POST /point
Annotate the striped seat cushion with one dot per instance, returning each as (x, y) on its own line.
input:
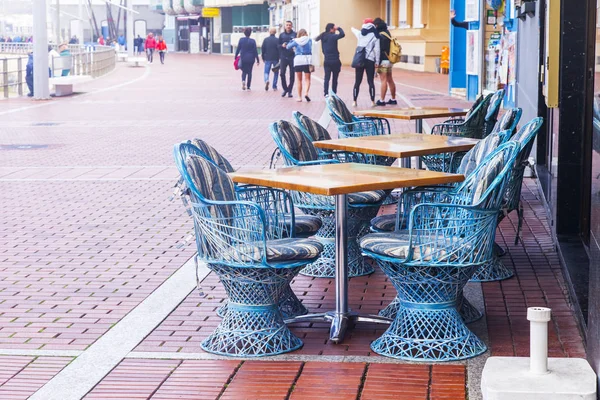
(507, 121)
(296, 143)
(278, 250)
(386, 223)
(306, 225)
(478, 153)
(370, 197)
(316, 131)
(213, 154)
(340, 109)
(212, 183)
(396, 245)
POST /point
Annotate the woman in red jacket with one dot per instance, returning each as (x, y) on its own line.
(150, 46)
(161, 47)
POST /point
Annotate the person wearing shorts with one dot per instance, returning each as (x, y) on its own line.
(385, 67)
(302, 46)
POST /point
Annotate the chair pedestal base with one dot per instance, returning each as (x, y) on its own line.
(421, 334)
(467, 311)
(289, 305)
(251, 333)
(253, 325)
(492, 271)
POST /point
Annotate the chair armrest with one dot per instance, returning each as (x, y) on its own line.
(363, 127)
(447, 129)
(319, 162)
(230, 232)
(277, 205)
(451, 234)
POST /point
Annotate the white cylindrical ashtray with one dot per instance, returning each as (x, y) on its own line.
(538, 339)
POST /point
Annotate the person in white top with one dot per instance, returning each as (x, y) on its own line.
(368, 37)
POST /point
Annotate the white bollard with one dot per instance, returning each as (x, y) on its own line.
(537, 376)
(538, 339)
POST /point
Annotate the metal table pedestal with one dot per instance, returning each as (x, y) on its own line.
(342, 315)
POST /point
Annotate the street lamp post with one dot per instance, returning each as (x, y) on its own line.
(41, 89)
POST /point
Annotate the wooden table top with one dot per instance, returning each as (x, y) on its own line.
(400, 145)
(344, 178)
(413, 113)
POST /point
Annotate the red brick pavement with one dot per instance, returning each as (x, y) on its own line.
(20, 376)
(87, 232)
(235, 380)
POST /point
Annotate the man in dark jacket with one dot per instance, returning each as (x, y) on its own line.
(270, 56)
(286, 58)
(331, 63)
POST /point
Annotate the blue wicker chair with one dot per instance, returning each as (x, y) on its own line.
(472, 158)
(473, 126)
(491, 116)
(398, 221)
(495, 269)
(237, 241)
(350, 126)
(297, 149)
(275, 203)
(447, 240)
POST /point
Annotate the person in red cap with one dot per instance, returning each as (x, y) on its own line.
(368, 39)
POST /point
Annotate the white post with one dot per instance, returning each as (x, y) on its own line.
(41, 89)
(58, 36)
(129, 28)
(80, 23)
(538, 339)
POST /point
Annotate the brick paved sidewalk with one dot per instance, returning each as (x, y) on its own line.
(87, 233)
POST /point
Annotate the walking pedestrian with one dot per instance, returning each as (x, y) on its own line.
(368, 44)
(161, 47)
(122, 42)
(150, 47)
(385, 66)
(137, 45)
(247, 51)
(270, 57)
(331, 63)
(29, 75)
(302, 46)
(286, 59)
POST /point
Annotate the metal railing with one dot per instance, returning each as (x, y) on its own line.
(86, 60)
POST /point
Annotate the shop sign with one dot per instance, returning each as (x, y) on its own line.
(208, 12)
(491, 17)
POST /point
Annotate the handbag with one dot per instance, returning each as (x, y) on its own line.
(358, 61)
(311, 68)
(275, 68)
(237, 63)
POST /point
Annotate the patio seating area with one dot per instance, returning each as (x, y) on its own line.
(441, 235)
(102, 299)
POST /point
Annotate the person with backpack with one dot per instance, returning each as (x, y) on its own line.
(332, 64)
(388, 47)
(366, 58)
